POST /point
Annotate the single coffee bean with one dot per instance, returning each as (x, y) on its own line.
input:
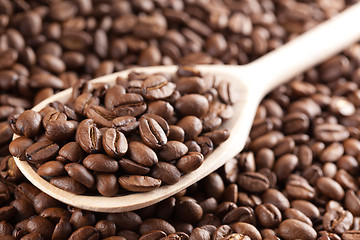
(156, 224)
(240, 214)
(84, 101)
(106, 228)
(62, 229)
(157, 87)
(292, 213)
(191, 125)
(79, 173)
(40, 225)
(337, 220)
(172, 150)
(295, 229)
(161, 108)
(28, 124)
(277, 198)
(330, 188)
(246, 229)
(68, 184)
(142, 154)
(114, 143)
(190, 162)
(18, 146)
(192, 105)
(101, 116)
(166, 172)
(41, 151)
(127, 104)
(152, 133)
(107, 184)
(51, 169)
(100, 163)
(88, 136)
(298, 189)
(87, 232)
(70, 152)
(125, 123)
(132, 167)
(60, 131)
(137, 183)
(253, 182)
(268, 215)
(350, 235)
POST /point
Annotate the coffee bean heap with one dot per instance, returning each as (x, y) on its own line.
(302, 156)
(147, 131)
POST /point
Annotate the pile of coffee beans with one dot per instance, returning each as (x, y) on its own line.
(303, 153)
(147, 131)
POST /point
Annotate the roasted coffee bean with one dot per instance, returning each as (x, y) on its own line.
(41, 226)
(292, 213)
(127, 104)
(51, 169)
(156, 224)
(88, 136)
(42, 151)
(161, 108)
(28, 124)
(142, 154)
(132, 167)
(293, 229)
(330, 188)
(152, 133)
(277, 198)
(137, 183)
(70, 152)
(81, 218)
(350, 235)
(106, 228)
(107, 184)
(60, 131)
(125, 123)
(79, 173)
(157, 87)
(172, 150)
(298, 189)
(166, 172)
(191, 125)
(253, 182)
(337, 220)
(246, 229)
(192, 105)
(268, 215)
(18, 146)
(114, 143)
(100, 163)
(68, 184)
(240, 214)
(101, 116)
(87, 232)
(190, 162)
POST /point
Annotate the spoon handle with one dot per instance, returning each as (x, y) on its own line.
(306, 51)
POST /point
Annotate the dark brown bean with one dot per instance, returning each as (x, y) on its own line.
(137, 183)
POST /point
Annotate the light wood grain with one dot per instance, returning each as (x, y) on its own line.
(252, 82)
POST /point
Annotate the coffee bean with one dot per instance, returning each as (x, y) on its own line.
(351, 234)
(156, 224)
(51, 169)
(80, 174)
(253, 182)
(60, 131)
(114, 143)
(137, 183)
(192, 105)
(68, 184)
(107, 184)
(142, 154)
(246, 229)
(127, 104)
(330, 188)
(87, 232)
(101, 116)
(172, 150)
(292, 229)
(190, 162)
(157, 87)
(132, 167)
(240, 214)
(337, 220)
(268, 215)
(41, 151)
(166, 172)
(70, 152)
(152, 133)
(41, 226)
(88, 136)
(125, 123)
(191, 125)
(100, 163)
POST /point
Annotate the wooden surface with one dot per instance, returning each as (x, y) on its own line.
(252, 82)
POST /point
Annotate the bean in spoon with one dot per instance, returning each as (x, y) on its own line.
(253, 81)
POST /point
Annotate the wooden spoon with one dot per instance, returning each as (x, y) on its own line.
(252, 81)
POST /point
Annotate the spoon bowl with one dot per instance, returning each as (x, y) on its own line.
(251, 83)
